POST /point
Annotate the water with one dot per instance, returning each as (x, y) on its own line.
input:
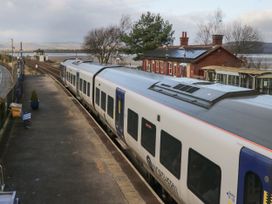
(53, 54)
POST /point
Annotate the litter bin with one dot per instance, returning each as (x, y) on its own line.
(16, 110)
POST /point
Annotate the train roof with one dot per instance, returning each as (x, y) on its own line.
(87, 66)
(238, 110)
(234, 109)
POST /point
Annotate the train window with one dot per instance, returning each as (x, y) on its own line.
(132, 124)
(88, 89)
(170, 153)
(204, 178)
(97, 96)
(110, 106)
(84, 87)
(253, 189)
(74, 80)
(81, 84)
(148, 140)
(103, 100)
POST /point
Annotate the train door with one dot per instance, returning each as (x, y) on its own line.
(77, 83)
(255, 178)
(119, 111)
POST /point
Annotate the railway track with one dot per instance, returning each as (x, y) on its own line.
(44, 68)
(112, 145)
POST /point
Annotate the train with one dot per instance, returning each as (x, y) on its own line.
(202, 142)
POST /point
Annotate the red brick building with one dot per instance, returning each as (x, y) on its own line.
(187, 60)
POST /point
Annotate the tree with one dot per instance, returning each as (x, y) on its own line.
(242, 38)
(149, 32)
(105, 43)
(212, 26)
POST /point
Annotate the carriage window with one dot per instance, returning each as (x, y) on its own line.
(84, 87)
(88, 89)
(103, 100)
(253, 189)
(170, 154)
(132, 124)
(97, 96)
(110, 106)
(74, 80)
(148, 140)
(81, 84)
(204, 178)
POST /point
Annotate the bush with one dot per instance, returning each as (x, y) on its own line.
(34, 96)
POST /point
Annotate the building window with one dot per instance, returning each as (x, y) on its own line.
(204, 178)
(97, 96)
(157, 67)
(162, 67)
(88, 89)
(148, 67)
(110, 106)
(170, 158)
(132, 124)
(153, 66)
(148, 139)
(174, 69)
(103, 100)
(170, 68)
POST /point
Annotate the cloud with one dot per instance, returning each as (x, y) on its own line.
(262, 21)
(70, 20)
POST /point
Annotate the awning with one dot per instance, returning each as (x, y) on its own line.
(237, 70)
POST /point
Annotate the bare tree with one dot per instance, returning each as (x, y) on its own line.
(105, 43)
(213, 25)
(242, 38)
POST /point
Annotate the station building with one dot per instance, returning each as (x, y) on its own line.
(260, 80)
(187, 60)
(39, 55)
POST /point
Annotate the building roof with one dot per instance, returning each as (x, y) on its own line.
(242, 70)
(5, 82)
(187, 54)
(190, 53)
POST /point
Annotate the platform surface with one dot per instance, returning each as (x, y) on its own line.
(60, 159)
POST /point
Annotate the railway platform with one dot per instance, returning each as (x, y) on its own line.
(60, 159)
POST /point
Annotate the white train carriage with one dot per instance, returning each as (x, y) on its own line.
(204, 143)
(78, 77)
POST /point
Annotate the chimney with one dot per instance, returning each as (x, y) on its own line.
(184, 39)
(217, 39)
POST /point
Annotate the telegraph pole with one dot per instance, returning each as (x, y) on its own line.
(12, 47)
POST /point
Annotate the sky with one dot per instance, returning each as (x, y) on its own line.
(70, 20)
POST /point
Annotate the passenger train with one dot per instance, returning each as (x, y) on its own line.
(202, 142)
